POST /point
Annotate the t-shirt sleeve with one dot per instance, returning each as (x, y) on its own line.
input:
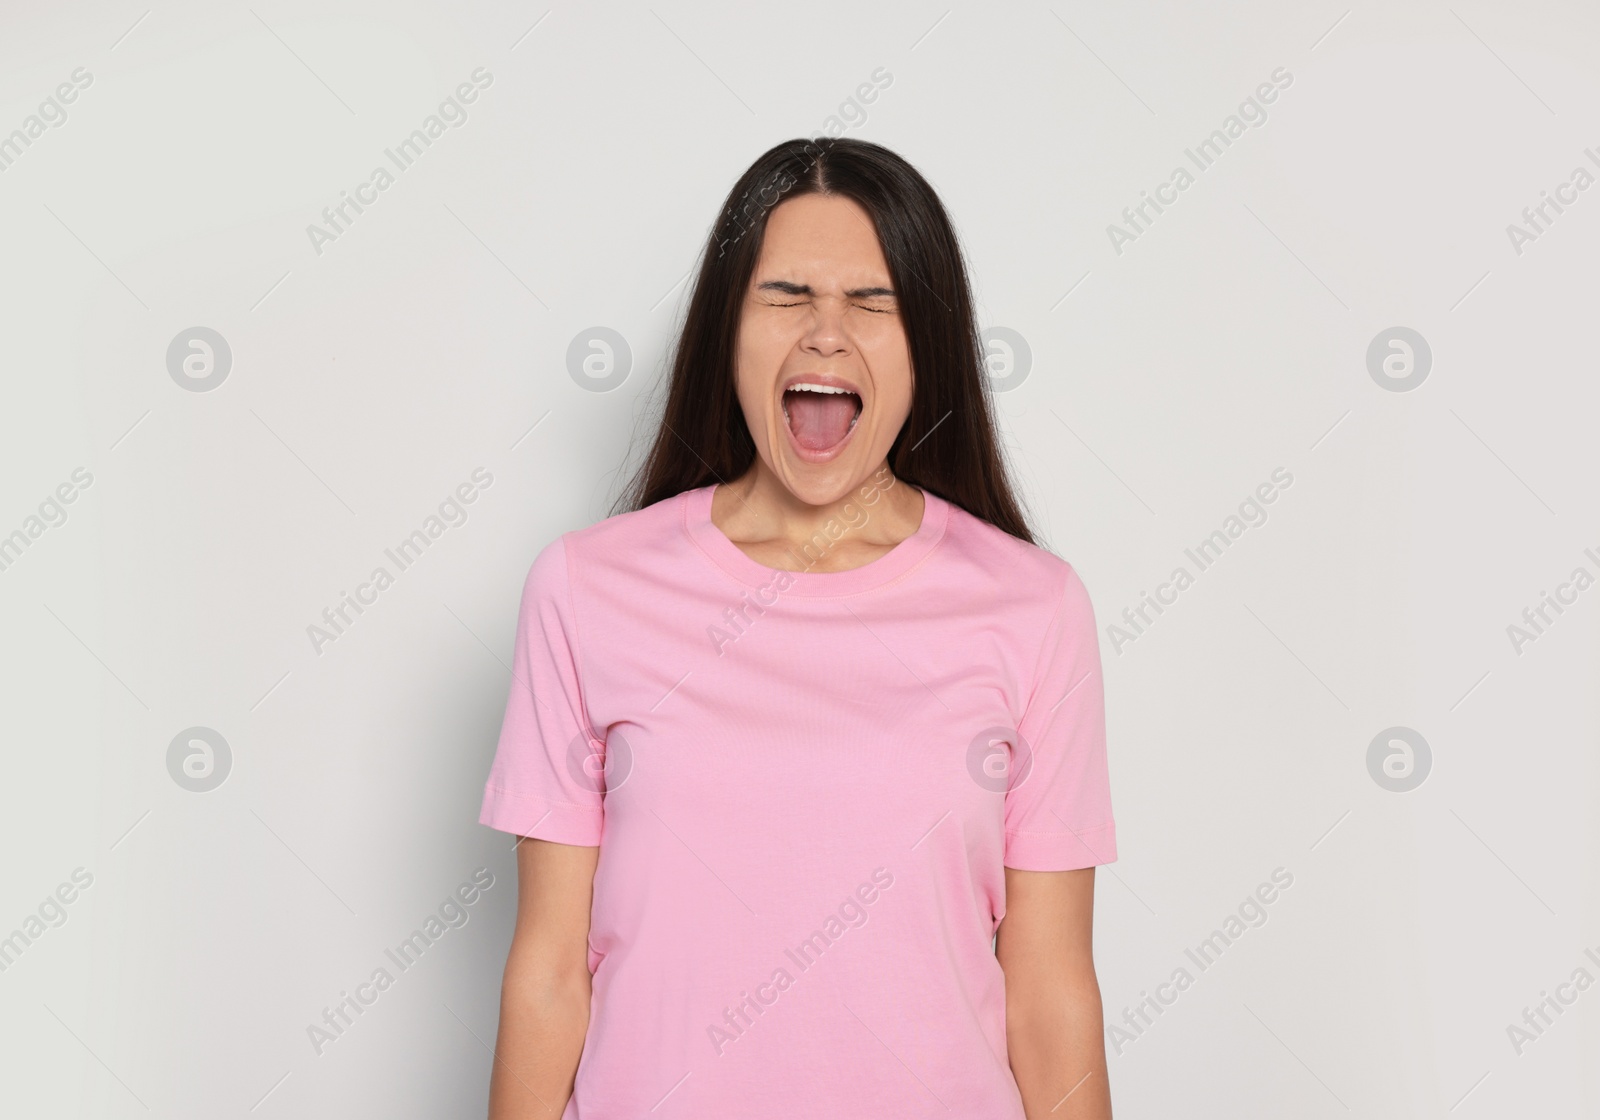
(546, 781)
(1058, 809)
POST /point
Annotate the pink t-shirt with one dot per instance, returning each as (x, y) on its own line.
(805, 787)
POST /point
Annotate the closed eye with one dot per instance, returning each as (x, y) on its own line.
(863, 307)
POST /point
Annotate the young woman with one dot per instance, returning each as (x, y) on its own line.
(808, 744)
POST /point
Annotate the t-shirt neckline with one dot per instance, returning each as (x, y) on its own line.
(875, 573)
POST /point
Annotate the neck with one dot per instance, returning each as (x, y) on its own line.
(868, 515)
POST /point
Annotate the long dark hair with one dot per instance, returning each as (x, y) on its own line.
(948, 444)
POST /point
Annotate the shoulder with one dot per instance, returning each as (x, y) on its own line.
(621, 540)
(1018, 569)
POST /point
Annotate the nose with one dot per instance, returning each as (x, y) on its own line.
(825, 335)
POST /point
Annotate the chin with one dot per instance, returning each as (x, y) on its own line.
(820, 484)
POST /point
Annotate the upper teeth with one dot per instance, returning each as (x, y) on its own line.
(810, 387)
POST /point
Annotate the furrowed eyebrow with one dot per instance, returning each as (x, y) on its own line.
(790, 289)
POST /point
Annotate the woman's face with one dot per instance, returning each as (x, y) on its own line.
(824, 372)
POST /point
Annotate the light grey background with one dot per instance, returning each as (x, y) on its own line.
(1167, 382)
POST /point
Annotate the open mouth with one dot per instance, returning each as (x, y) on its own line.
(820, 417)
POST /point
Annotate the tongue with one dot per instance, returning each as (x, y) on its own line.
(819, 420)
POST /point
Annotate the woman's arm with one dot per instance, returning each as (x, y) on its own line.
(544, 998)
(1054, 1030)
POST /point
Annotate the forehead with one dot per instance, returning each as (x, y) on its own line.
(817, 237)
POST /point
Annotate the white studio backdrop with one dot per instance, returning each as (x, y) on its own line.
(1371, 299)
